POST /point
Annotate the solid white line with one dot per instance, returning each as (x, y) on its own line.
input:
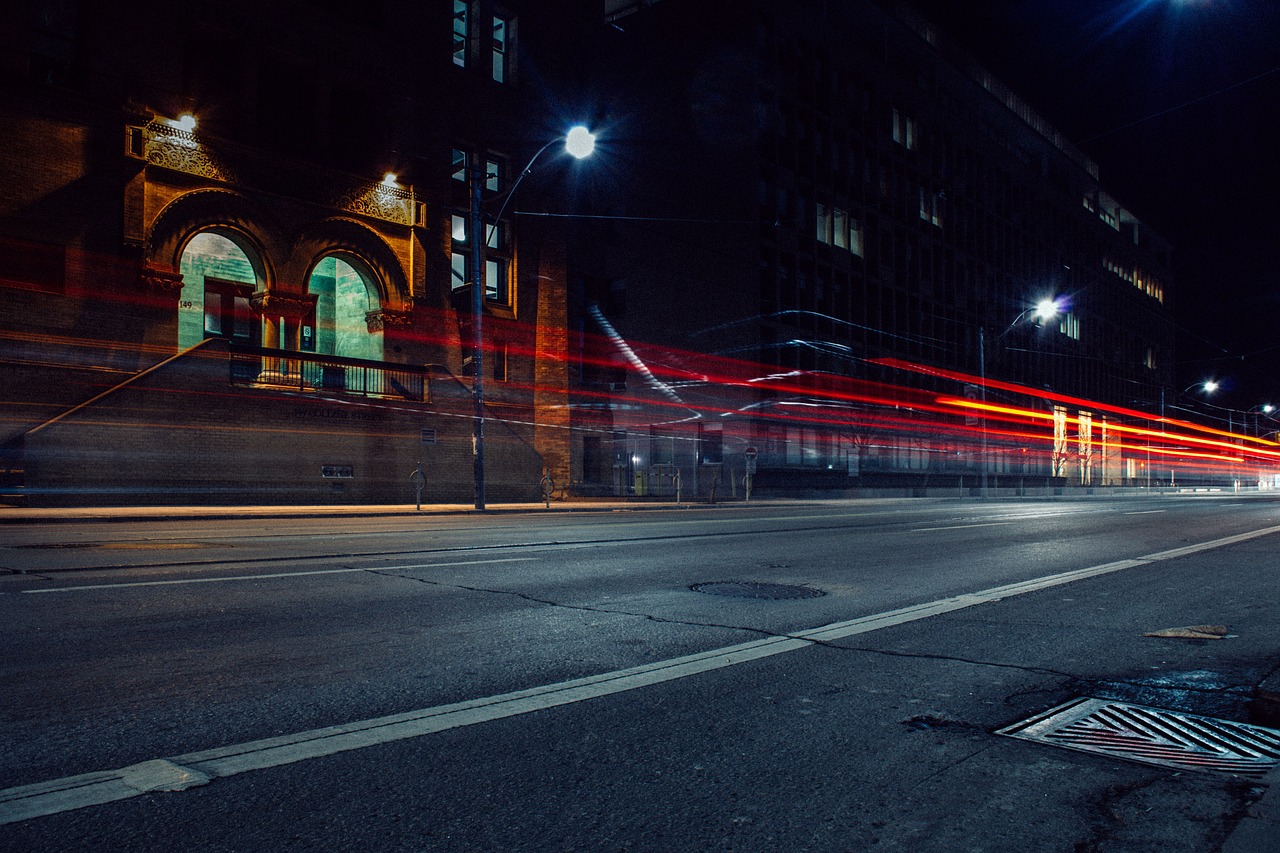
(1144, 511)
(962, 526)
(196, 768)
(179, 581)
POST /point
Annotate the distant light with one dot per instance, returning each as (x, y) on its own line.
(1267, 408)
(389, 179)
(580, 142)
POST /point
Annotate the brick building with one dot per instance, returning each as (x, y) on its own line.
(235, 239)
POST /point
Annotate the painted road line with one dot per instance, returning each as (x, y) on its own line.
(962, 526)
(198, 768)
(179, 581)
(1144, 511)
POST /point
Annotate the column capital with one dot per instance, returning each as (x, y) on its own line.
(291, 305)
(379, 320)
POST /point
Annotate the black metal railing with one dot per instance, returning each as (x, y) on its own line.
(328, 374)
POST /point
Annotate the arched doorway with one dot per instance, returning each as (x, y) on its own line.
(218, 281)
(345, 292)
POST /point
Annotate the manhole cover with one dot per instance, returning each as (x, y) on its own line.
(757, 589)
(1154, 736)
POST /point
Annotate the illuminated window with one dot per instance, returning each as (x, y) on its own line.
(836, 227)
(217, 281)
(497, 261)
(904, 130)
(344, 297)
(930, 207)
(1069, 325)
(501, 48)
(461, 31)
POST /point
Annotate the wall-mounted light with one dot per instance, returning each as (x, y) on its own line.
(185, 122)
(389, 179)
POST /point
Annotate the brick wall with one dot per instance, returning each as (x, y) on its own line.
(182, 434)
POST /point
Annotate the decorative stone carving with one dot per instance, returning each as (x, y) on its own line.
(163, 281)
(379, 320)
(277, 304)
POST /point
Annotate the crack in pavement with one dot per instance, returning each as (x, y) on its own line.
(785, 635)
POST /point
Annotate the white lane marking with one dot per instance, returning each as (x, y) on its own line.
(962, 526)
(180, 771)
(178, 581)
(1144, 511)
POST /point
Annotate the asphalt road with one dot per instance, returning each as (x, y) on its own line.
(556, 682)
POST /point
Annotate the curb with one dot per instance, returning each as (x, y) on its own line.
(1258, 830)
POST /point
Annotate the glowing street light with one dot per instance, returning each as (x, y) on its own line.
(579, 143)
(1045, 309)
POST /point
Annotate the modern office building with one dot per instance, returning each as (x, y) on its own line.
(828, 190)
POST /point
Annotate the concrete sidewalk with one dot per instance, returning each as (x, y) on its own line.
(58, 515)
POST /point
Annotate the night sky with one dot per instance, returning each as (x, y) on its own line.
(1178, 101)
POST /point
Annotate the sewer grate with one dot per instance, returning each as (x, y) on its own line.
(1154, 736)
(757, 589)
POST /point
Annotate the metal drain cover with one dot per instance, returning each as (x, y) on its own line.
(1154, 736)
(757, 589)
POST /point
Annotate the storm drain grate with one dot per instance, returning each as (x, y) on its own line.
(757, 589)
(1154, 736)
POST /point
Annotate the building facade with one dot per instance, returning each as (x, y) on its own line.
(238, 245)
(234, 250)
(836, 193)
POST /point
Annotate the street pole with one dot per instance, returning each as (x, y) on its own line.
(478, 237)
(982, 392)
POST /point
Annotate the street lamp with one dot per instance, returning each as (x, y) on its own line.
(579, 143)
(1045, 309)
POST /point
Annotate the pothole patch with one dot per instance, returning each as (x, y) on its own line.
(758, 589)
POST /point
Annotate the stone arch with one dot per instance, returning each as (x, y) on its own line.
(361, 247)
(223, 212)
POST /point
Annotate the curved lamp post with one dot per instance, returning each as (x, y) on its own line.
(1045, 309)
(578, 143)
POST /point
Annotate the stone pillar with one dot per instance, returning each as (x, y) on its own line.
(281, 311)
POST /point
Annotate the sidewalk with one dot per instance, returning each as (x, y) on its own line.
(60, 515)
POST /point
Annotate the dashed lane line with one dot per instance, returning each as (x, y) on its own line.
(181, 772)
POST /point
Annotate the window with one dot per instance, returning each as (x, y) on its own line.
(492, 170)
(1069, 325)
(227, 313)
(501, 52)
(217, 281)
(931, 207)
(497, 261)
(904, 130)
(461, 32)
(836, 227)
